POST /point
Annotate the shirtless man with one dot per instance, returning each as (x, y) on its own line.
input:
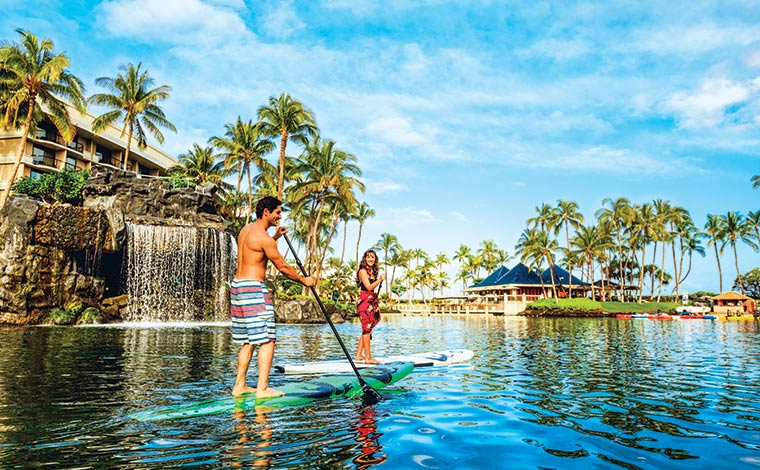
(250, 303)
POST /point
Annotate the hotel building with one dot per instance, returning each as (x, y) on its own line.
(47, 152)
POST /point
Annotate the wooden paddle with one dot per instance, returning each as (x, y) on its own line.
(370, 396)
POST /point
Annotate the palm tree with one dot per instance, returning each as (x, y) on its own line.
(714, 229)
(618, 215)
(755, 181)
(538, 248)
(33, 77)
(566, 214)
(363, 212)
(201, 166)
(645, 225)
(692, 244)
(329, 178)
(440, 260)
(545, 217)
(388, 244)
(753, 222)
(735, 229)
(133, 102)
(588, 247)
(290, 120)
(490, 253)
(242, 145)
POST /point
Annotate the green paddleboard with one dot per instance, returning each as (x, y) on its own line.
(329, 386)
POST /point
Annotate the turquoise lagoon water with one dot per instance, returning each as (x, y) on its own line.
(539, 393)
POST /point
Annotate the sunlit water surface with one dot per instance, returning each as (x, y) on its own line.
(539, 393)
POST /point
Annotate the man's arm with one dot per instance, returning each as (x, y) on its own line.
(273, 254)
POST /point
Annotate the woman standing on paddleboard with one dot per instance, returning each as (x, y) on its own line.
(368, 306)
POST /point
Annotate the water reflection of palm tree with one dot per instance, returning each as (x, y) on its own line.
(369, 440)
(254, 439)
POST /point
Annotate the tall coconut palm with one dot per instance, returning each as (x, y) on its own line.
(132, 101)
(363, 212)
(545, 218)
(243, 145)
(619, 213)
(755, 181)
(329, 174)
(200, 165)
(645, 225)
(490, 253)
(538, 248)
(588, 246)
(290, 120)
(692, 244)
(714, 227)
(735, 229)
(462, 254)
(33, 77)
(753, 222)
(388, 243)
(566, 215)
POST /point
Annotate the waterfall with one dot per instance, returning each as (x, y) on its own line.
(178, 273)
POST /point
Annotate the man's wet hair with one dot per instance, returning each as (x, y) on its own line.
(267, 202)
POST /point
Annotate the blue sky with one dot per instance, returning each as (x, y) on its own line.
(464, 116)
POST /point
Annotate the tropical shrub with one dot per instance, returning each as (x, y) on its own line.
(62, 316)
(751, 282)
(64, 186)
(90, 315)
(565, 304)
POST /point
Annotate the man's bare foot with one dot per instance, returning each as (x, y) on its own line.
(359, 359)
(268, 392)
(243, 390)
(372, 360)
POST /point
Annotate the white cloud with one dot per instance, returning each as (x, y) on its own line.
(460, 216)
(557, 49)
(174, 21)
(381, 187)
(603, 159)
(398, 131)
(282, 21)
(693, 39)
(705, 106)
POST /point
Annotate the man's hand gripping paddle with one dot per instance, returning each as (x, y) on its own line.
(370, 396)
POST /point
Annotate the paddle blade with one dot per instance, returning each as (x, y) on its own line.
(370, 397)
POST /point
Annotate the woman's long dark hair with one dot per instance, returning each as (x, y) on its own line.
(371, 270)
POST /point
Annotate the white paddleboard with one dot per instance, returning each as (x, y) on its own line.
(428, 359)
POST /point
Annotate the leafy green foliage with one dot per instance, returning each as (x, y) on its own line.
(751, 283)
(90, 315)
(701, 293)
(64, 186)
(63, 316)
(565, 304)
(177, 180)
(644, 307)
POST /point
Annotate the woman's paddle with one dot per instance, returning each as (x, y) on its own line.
(370, 396)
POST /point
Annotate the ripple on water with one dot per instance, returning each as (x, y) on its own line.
(552, 393)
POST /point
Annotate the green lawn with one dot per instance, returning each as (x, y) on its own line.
(581, 304)
(633, 307)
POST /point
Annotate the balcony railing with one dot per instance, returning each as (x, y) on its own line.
(46, 160)
(58, 139)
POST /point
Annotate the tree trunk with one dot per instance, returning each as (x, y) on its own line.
(343, 250)
(358, 240)
(250, 193)
(738, 274)
(281, 178)
(720, 271)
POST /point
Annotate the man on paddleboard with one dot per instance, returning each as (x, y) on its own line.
(250, 303)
